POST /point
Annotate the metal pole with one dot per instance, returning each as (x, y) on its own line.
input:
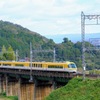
(54, 58)
(84, 17)
(16, 55)
(31, 78)
(83, 43)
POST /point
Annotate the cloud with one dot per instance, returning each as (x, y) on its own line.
(48, 16)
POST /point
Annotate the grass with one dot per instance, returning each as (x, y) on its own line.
(4, 97)
(77, 89)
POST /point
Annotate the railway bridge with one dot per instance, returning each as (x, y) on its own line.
(31, 84)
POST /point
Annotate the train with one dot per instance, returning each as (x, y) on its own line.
(52, 66)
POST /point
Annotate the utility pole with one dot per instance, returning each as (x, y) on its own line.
(83, 43)
(54, 55)
(84, 18)
(31, 78)
(16, 55)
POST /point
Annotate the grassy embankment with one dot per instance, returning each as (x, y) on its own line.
(4, 97)
(77, 89)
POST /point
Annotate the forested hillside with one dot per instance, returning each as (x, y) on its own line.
(19, 38)
(14, 37)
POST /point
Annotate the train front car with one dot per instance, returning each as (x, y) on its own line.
(62, 66)
(72, 66)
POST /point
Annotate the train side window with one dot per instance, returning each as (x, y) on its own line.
(54, 66)
(37, 65)
(33, 65)
(7, 64)
(40, 65)
(19, 65)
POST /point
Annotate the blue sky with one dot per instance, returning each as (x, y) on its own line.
(50, 17)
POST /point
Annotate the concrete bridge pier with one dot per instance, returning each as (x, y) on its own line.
(25, 89)
(35, 84)
(1, 84)
(42, 91)
(11, 86)
(54, 84)
(19, 89)
(33, 90)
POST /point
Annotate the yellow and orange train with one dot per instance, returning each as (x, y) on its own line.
(57, 66)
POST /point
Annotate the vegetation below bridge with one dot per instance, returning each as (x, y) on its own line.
(77, 89)
(4, 97)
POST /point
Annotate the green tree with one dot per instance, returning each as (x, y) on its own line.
(4, 53)
(3, 49)
(10, 53)
(65, 40)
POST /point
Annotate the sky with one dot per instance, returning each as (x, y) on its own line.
(50, 17)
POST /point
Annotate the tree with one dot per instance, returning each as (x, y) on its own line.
(65, 40)
(4, 53)
(3, 49)
(10, 53)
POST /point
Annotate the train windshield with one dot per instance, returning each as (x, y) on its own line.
(72, 66)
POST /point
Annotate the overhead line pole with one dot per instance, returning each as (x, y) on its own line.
(83, 43)
(54, 57)
(31, 78)
(83, 23)
(16, 55)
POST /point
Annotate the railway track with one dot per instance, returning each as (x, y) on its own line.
(94, 76)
